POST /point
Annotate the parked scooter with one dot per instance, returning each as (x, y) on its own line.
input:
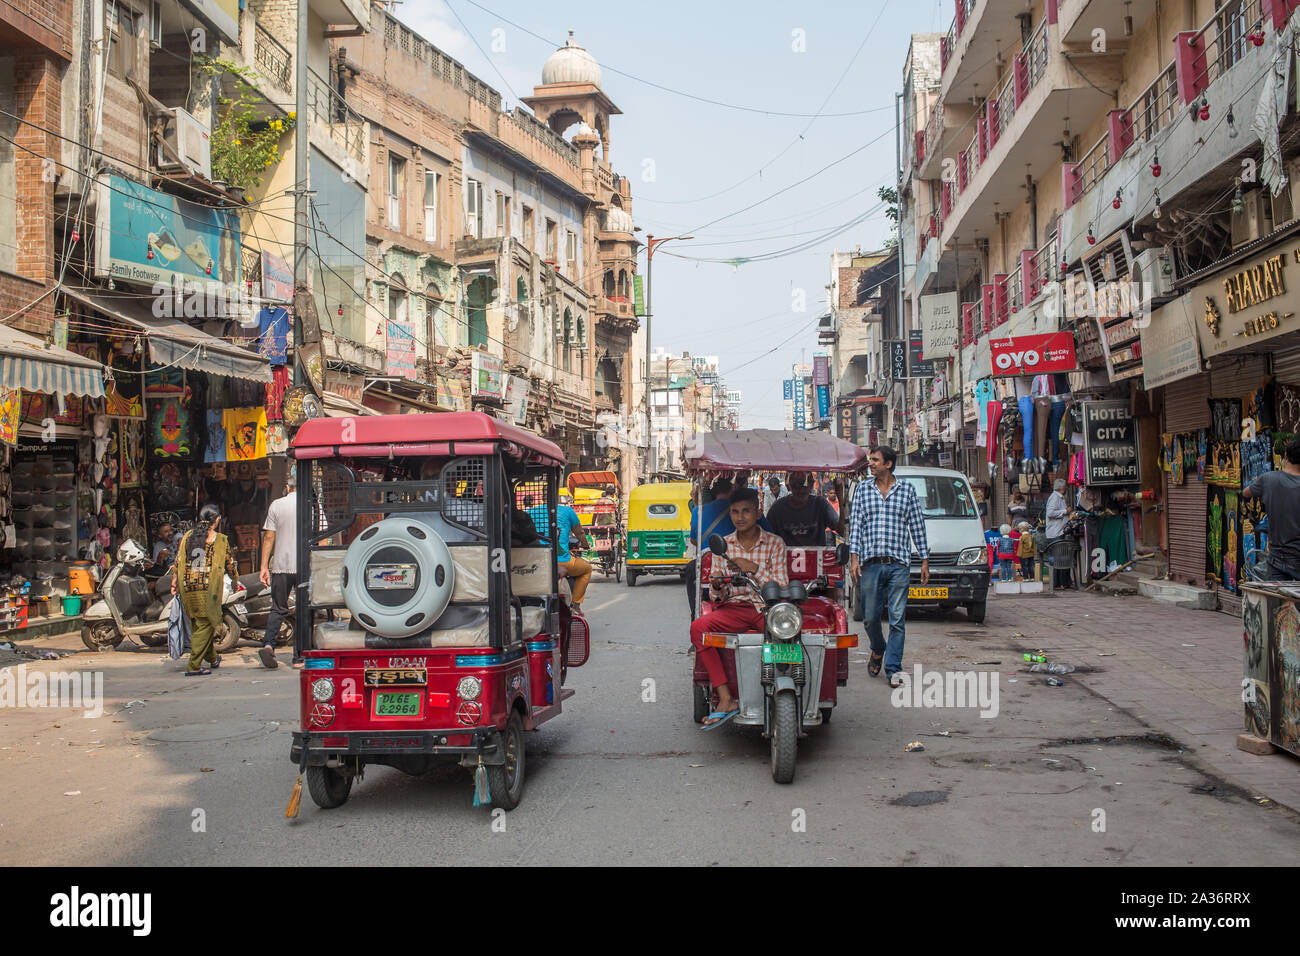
(132, 605)
(246, 618)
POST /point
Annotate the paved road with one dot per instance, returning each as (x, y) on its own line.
(620, 780)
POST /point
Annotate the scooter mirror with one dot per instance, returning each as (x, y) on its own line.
(841, 554)
(717, 545)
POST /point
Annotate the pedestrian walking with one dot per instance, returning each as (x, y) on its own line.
(279, 563)
(883, 514)
(201, 558)
(1280, 493)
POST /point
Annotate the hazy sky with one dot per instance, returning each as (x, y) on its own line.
(693, 162)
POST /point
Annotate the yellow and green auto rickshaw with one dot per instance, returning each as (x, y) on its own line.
(658, 526)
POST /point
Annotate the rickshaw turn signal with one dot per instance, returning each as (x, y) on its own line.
(719, 640)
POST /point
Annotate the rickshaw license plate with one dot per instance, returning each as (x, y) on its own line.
(926, 594)
(397, 705)
(782, 653)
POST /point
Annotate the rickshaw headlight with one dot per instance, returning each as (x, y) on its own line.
(322, 689)
(784, 621)
(972, 556)
(469, 688)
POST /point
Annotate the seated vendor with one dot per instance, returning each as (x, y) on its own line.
(802, 518)
(761, 556)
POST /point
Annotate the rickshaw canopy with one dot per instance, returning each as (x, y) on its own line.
(766, 449)
(582, 478)
(448, 433)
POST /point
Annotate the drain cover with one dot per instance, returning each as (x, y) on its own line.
(217, 730)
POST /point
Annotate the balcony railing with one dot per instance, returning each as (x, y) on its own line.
(1155, 107)
(1221, 43)
(948, 43)
(1046, 264)
(346, 127)
(934, 130)
(273, 58)
(1016, 286)
(1094, 164)
(1036, 55)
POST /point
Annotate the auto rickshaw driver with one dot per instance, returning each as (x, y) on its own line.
(761, 556)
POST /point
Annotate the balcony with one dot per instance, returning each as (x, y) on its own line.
(1221, 67)
(1079, 18)
(328, 110)
(978, 47)
(1019, 129)
(353, 15)
(273, 60)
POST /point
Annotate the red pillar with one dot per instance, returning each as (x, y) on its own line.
(1190, 65)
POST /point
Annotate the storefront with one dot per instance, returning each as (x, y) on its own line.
(46, 394)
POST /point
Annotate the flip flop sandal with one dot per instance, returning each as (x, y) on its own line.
(718, 718)
(873, 666)
(199, 673)
(217, 663)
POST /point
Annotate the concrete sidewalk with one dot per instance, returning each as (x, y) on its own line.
(1179, 671)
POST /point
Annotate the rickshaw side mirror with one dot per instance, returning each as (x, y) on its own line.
(717, 545)
(842, 554)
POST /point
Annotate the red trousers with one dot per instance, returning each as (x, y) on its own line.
(735, 618)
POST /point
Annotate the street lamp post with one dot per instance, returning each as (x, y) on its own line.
(651, 244)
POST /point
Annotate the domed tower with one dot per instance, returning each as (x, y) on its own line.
(570, 93)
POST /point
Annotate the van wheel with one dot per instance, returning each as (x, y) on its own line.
(329, 787)
(975, 612)
(506, 781)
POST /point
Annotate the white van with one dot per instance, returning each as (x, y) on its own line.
(959, 564)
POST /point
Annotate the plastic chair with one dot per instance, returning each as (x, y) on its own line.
(1065, 551)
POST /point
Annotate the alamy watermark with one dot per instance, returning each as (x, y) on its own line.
(18, 688)
(935, 689)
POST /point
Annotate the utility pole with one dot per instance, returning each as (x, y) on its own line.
(651, 244)
(300, 199)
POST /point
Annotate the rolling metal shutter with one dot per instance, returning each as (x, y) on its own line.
(1286, 366)
(1186, 409)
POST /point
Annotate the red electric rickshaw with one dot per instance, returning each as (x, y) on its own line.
(787, 679)
(432, 623)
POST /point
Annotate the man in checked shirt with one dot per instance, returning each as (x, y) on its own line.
(758, 554)
(883, 513)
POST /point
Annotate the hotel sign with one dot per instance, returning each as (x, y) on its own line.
(1248, 305)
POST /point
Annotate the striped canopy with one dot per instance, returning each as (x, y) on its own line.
(28, 363)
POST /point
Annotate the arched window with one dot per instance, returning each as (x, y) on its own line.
(480, 293)
(609, 283)
(568, 338)
(622, 284)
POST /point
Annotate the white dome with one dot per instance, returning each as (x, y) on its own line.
(618, 220)
(570, 64)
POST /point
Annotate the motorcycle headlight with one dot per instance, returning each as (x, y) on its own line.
(784, 621)
(973, 556)
(322, 689)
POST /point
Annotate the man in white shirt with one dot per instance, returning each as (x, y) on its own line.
(1056, 514)
(279, 562)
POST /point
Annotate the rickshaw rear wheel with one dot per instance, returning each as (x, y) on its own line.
(702, 699)
(506, 781)
(631, 578)
(329, 788)
(785, 736)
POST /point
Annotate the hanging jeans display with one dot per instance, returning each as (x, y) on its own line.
(995, 417)
(1027, 421)
(1053, 449)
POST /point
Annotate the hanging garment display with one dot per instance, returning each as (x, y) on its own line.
(1225, 419)
(273, 334)
(992, 415)
(1214, 525)
(38, 407)
(169, 427)
(124, 394)
(275, 389)
(1202, 452)
(1259, 406)
(277, 438)
(215, 448)
(1254, 533)
(131, 450)
(1026, 407)
(11, 412)
(245, 433)
(1256, 458)
(1177, 468)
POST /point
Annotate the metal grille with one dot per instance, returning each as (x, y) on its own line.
(463, 494)
(531, 496)
(578, 648)
(331, 499)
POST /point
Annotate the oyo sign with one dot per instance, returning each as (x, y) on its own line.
(1033, 354)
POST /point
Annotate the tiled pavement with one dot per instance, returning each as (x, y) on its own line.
(1179, 671)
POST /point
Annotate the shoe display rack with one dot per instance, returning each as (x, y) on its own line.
(45, 514)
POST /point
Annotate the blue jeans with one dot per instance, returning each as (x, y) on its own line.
(884, 586)
(1006, 569)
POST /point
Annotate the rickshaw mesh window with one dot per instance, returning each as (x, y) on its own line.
(534, 490)
(463, 487)
(331, 496)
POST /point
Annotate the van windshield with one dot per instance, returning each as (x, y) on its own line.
(943, 496)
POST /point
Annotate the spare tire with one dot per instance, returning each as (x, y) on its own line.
(398, 577)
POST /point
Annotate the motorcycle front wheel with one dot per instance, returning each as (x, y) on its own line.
(785, 736)
(102, 635)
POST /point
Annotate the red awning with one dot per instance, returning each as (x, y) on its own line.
(771, 450)
(580, 478)
(369, 432)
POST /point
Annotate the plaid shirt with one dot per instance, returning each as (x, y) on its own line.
(879, 524)
(770, 556)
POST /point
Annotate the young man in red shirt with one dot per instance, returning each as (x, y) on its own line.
(761, 556)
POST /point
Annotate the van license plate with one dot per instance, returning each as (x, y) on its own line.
(927, 594)
(782, 653)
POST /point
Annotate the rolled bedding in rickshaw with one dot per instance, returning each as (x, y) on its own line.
(459, 626)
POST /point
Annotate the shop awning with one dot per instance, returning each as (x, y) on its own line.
(175, 342)
(28, 363)
(336, 406)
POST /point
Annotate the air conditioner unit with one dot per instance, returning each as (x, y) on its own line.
(1255, 220)
(186, 139)
(1155, 267)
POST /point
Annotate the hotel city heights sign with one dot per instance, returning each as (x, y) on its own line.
(1247, 305)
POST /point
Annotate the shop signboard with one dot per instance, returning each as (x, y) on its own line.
(400, 349)
(787, 390)
(277, 278)
(485, 380)
(844, 422)
(1248, 304)
(1033, 354)
(1121, 345)
(917, 367)
(1169, 346)
(896, 354)
(940, 319)
(823, 401)
(638, 296)
(153, 238)
(1110, 445)
(800, 408)
(516, 399)
(821, 370)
